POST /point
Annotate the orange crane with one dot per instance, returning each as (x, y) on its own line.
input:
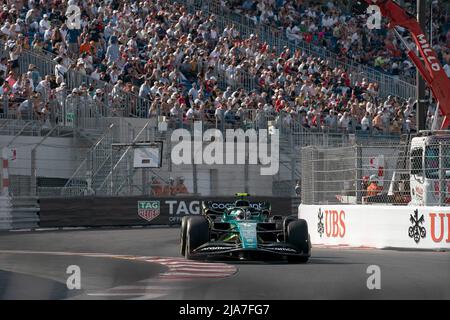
(431, 70)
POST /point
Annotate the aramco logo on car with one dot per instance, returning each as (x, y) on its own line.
(149, 210)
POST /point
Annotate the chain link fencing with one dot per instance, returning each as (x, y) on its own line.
(381, 174)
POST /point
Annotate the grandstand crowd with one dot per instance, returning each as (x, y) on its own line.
(331, 24)
(174, 60)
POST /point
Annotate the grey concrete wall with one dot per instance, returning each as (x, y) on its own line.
(55, 158)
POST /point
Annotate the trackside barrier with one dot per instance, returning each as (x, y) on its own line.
(5, 213)
(18, 213)
(380, 226)
(128, 211)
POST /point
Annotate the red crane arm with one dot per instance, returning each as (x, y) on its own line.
(432, 72)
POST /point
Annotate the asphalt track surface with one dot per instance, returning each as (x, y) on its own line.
(145, 264)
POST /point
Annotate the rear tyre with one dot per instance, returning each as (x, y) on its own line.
(297, 235)
(197, 233)
(183, 235)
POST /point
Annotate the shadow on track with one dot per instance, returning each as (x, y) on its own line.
(311, 261)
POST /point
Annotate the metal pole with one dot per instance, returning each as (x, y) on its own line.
(313, 185)
(442, 175)
(293, 161)
(421, 111)
(431, 23)
(33, 181)
(194, 178)
(5, 172)
(112, 171)
(144, 181)
(359, 191)
(246, 170)
(432, 3)
(145, 172)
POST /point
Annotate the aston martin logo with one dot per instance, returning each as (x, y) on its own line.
(416, 231)
(320, 226)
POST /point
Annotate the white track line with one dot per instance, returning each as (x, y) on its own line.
(144, 287)
(195, 270)
(188, 275)
(340, 247)
(107, 294)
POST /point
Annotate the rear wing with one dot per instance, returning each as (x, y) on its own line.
(219, 207)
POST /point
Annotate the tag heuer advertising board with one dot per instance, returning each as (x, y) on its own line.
(148, 210)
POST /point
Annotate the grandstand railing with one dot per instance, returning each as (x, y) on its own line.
(276, 38)
(121, 168)
(108, 170)
(130, 104)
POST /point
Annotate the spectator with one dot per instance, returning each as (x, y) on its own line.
(340, 31)
(169, 189)
(26, 108)
(161, 53)
(366, 122)
(156, 188)
(373, 189)
(144, 90)
(180, 187)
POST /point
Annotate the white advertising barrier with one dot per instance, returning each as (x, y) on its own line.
(378, 226)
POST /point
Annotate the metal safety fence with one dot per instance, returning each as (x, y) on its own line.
(92, 171)
(42, 170)
(81, 109)
(107, 169)
(383, 174)
(120, 177)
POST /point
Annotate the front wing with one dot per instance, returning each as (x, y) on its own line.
(219, 249)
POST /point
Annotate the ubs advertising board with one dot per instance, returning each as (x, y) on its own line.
(378, 226)
(129, 211)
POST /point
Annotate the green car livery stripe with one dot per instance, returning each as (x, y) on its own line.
(247, 232)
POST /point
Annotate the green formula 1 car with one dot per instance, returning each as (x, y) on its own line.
(243, 230)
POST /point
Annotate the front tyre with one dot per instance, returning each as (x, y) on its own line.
(183, 235)
(297, 235)
(286, 221)
(197, 233)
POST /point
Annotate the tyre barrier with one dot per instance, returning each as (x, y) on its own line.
(18, 213)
